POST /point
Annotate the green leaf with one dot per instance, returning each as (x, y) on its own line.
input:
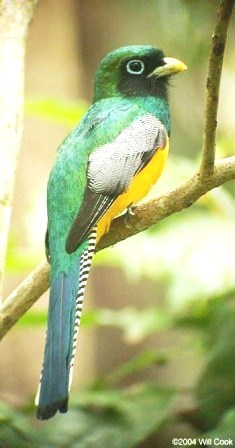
(104, 418)
(225, 428)
(33, 318)
(142, 361)
(215, 390)
(136, 324)
(19, 259)
(15, 428)
(128, 418)
(58, 110)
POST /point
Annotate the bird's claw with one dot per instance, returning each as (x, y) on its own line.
(130, 212)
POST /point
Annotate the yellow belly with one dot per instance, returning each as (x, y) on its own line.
(139, 187)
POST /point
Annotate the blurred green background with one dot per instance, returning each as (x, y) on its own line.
(156, 347)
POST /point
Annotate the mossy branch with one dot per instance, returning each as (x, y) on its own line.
(210, 175)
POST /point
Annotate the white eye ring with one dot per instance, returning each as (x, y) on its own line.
(133, 62)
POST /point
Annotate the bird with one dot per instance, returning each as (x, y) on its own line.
(106, 164)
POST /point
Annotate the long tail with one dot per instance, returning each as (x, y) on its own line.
(65, 308)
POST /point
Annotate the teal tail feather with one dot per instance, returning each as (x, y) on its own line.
(65, 308)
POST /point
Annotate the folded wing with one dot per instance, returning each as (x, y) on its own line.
(111, 168)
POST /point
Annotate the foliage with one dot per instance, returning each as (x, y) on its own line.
(226, 427)
(216, 388)
(117, 418)
(61, 111)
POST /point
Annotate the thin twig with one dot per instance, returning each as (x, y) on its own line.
(218, 42)
(145, 215)
(23, 297)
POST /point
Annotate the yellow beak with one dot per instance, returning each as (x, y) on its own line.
(171, 67)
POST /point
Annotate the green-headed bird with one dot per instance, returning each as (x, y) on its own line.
(108, 162)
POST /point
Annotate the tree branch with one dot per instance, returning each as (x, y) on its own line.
(145, 216)
(181, 197)
(15, 16)
(218, 42)
(23, 297)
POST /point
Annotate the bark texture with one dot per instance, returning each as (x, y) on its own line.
(15, 16)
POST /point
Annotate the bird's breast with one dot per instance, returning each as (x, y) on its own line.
(138, 188)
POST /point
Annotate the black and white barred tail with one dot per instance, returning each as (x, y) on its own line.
(64, 315)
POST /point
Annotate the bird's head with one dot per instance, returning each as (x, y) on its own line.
(137, 70)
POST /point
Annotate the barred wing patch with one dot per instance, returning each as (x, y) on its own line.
(111, 168)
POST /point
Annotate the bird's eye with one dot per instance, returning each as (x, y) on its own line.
(135, 67)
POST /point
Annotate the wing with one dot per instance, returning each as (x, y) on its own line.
(111, 168)
(47, 249)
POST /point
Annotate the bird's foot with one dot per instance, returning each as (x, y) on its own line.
(130, 212)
